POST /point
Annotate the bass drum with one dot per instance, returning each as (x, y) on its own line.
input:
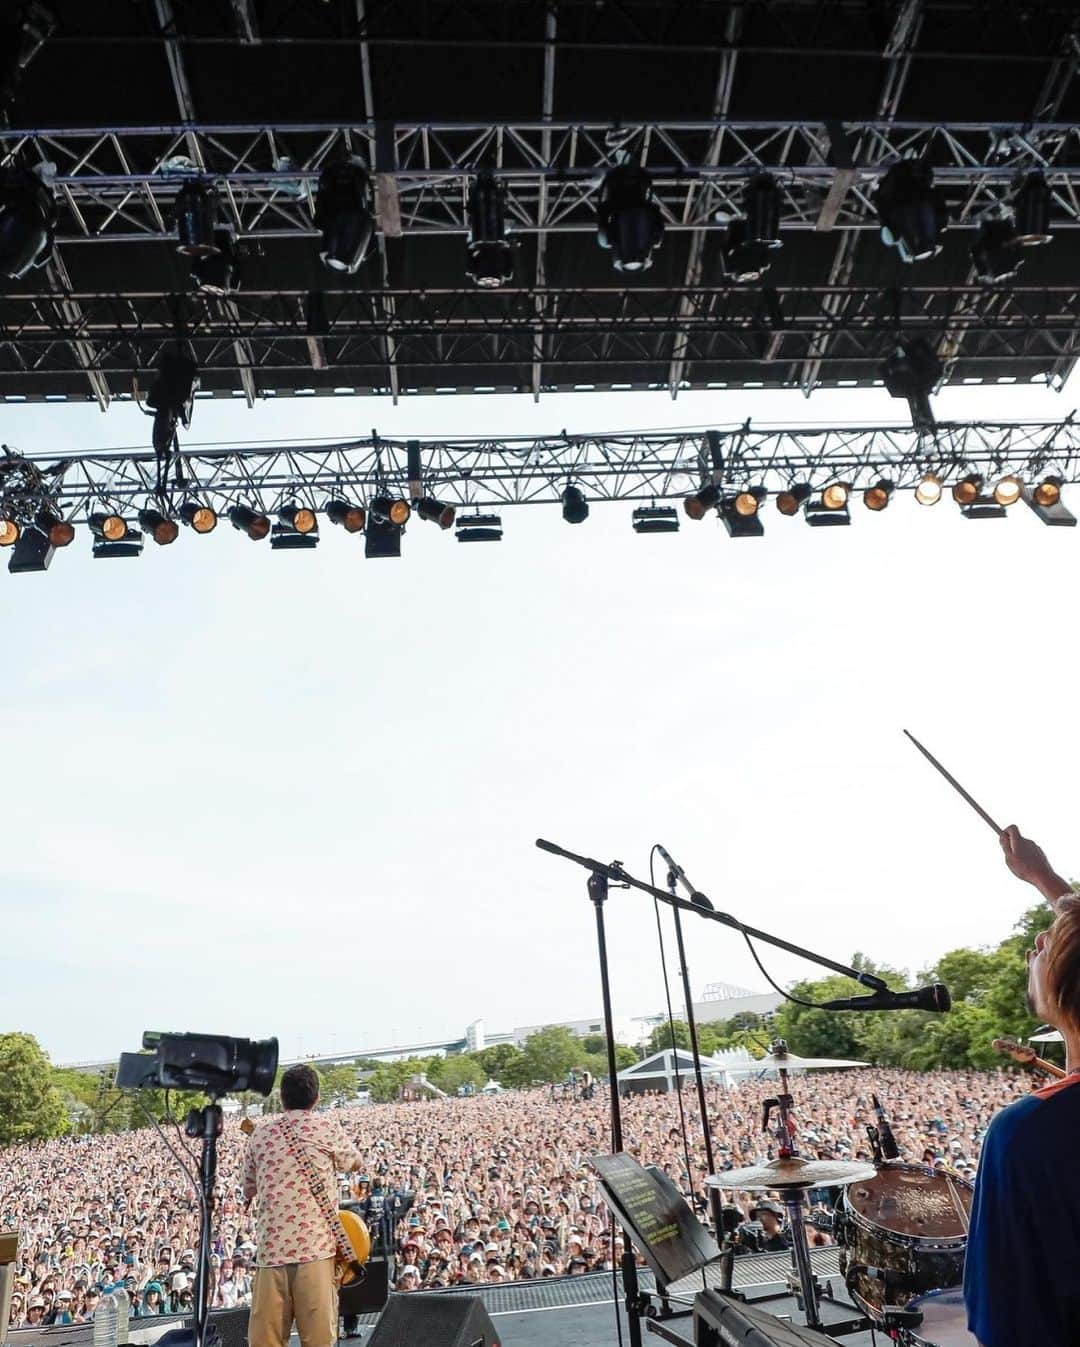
(903, 1232)
(944, 1321)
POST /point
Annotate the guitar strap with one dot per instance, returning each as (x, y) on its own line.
(346, 1255)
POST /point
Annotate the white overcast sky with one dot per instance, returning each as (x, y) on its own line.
(296, 794)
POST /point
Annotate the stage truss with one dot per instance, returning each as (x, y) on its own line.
(490, 474)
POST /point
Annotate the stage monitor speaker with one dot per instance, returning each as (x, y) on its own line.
(720, 1321)
(434, 1319)
(370, 1293)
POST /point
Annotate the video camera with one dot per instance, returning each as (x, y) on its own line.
(215, 1063)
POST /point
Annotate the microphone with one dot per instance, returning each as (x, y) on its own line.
(680, 874)
(935, 997)
(889, 1149)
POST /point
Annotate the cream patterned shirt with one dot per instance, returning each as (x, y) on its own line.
(291, 1223)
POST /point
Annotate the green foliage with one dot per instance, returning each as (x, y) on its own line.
(550, 1053)
(462, 1069)
(31, 1107)
(667, 1035)
(337, 1084)
(388, 1078)
(503, 1062)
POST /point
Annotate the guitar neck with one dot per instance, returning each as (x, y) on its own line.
(1047, 1068)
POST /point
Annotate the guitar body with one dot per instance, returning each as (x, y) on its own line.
(349, 1270)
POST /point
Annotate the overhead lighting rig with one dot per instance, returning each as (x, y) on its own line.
(628, 219)
(1044, 500)
(741, 513)
(195, 212)
(218, 273)
(1031, 209)
(655, 519)
(911, 371)
(349, 517)
(575, 508)
(343, 214)
(490, 253)
(27, 221)
(479, 528)
(753, 237)
(172, 396)
(912, 211)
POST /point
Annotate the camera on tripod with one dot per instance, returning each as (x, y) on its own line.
(215, 1063)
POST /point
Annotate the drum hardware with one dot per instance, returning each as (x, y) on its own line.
(943, 1321)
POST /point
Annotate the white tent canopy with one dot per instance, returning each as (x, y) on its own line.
(666, 1069)
(1047, 1036)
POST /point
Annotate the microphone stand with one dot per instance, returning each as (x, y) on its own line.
(691, 1024)
(598, 891)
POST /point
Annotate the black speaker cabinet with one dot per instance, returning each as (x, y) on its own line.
(434, 1319)
(370, 1294)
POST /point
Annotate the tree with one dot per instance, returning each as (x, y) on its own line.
(462, 1069)
(662, 1036)
(337, 1084)
(31, 1107)
(500, 1060)
(550, 1053)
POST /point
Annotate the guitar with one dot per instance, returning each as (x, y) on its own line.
(1027, 1057)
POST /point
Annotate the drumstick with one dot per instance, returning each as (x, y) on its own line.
(954, 783)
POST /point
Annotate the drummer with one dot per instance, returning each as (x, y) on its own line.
(1020, 1278)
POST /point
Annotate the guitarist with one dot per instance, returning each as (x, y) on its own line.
(295, 1276)
(1020, 1283)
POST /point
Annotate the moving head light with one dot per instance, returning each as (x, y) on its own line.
(211, 1062)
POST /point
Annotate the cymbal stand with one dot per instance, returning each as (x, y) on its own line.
(788, 1147)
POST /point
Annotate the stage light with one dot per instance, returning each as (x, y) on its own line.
(350, 517)
(1048, 491)
(912, 371)
(1007, 490)
(912, 212)
(285, 538)
(995, 254)
(172, 395)
(877, 497)
(835, 496)
(747, 503)
(162, 529)
(248, 521)
(928, 491)
(790, 501)
(298, 518)
(656, 519)
(27, 221)
(111, 527)
(1031, 206)
(479, 528)
(32, 552)
(819, 515)
(390, 510)
(218, 273)
(701, 502)
(628, 220)
(9, 532)
(752, 237)
(60, 532)
(195, 211)
(343, 214)
(491, 257)
(738, 524)
(130, 545)
(744, 260)
(436, 512)
(381, 538)
(1045, 501)
(967, 490)
(200, 518)
(575, 508)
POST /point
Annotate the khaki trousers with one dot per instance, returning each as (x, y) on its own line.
(306, 1292)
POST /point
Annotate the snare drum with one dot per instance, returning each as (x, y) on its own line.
(904, 1232)
(944, 1321)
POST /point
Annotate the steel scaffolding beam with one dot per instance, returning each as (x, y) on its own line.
(113, 181)
(490, 473)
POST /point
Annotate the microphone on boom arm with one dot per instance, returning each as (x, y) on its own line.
(696, 896)
(935, 997)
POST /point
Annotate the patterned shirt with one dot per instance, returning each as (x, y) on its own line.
(292, 1224)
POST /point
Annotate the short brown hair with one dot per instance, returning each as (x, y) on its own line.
(1063, 960)
(299, 1087)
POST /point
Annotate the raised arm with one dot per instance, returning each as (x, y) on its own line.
(1027, 860)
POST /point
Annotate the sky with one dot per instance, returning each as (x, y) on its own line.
(297, 794)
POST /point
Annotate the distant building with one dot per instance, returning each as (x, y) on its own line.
(626, 1029)
(474, 1037)
(722, 1001)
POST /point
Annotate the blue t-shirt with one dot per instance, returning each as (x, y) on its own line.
(1022, 1272)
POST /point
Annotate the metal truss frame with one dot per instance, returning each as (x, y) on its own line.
(117, 184)
(851, 326)
(493, 473)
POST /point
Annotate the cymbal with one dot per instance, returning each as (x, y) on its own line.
(796, 1172)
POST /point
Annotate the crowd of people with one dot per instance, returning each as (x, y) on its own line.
(485, 1189)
